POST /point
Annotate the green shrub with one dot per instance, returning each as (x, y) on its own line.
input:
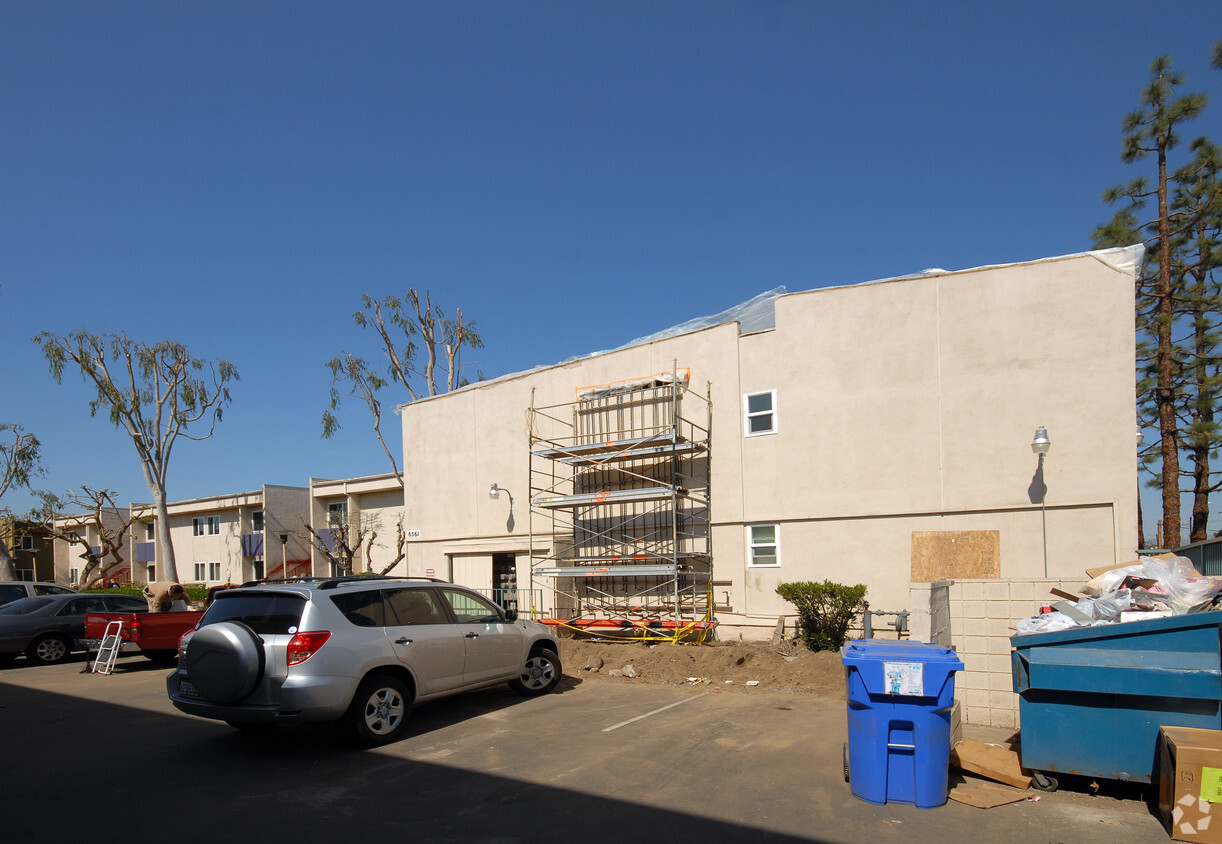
(825, 611)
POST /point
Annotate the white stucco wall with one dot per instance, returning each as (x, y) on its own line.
(903, 406)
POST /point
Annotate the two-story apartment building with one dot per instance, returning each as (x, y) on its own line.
(230, 538)
(369, 510)
(878, 433)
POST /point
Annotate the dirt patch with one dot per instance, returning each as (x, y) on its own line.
(787, 667)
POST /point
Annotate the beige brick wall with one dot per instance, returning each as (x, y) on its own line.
(977, 618)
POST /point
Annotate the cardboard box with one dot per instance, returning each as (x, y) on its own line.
(1190, 783)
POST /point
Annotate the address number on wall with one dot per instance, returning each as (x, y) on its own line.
(413, 534)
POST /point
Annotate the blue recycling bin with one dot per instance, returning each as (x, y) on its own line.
(1092, 699)
(900, 697)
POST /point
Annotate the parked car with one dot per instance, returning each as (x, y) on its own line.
(14, 590)
(48, 628)
(361, 651)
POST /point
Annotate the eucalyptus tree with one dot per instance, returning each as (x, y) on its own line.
(406, 332)
(155, 394)
(19, 463)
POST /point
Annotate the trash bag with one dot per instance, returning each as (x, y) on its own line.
(1049, 622)
(1178, 586)
(1107, 607)
(1110, 581)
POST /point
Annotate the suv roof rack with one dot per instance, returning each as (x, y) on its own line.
(281, 580)
(333, 582)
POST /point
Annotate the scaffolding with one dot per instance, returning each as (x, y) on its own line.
(619, 498)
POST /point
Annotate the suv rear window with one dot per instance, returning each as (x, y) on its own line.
(263, 613)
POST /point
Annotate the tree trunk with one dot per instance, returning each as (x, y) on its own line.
(8, 571)
(167, 569)
(1164, 391)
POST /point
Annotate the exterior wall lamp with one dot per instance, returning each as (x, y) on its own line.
(494, 492)
(1040, 445)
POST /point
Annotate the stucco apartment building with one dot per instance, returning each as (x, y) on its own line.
(229, 538)
(372, 508)
(878, 433)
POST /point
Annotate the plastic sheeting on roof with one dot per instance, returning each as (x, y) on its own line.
(755, 314)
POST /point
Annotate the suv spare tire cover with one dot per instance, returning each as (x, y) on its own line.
(225, 661)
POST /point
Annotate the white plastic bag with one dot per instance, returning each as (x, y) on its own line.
(1178, 586)
(1046, 623)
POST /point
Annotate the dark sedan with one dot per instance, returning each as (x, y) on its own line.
(48, 628)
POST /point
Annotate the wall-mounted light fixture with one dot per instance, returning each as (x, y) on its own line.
(494, 492)
(1040, 445)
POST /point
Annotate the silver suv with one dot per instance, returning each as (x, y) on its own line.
(358, 650)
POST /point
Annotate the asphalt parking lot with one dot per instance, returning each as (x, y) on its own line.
(98, 758)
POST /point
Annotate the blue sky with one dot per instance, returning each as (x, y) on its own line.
(233, 175)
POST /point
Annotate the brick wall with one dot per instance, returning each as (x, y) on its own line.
(977, 618)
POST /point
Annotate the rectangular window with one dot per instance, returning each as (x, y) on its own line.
(72, 536)
(214, 571)
(150, 531)
(152, 573)
(26, 544)
(337, 513)
(74, 575)
(256, 521)
(759, 411)
(201, 569)
(763, 545)
(206, 526)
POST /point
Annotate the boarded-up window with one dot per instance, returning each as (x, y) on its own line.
(955, 554)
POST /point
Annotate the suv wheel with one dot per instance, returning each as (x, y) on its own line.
(379, 710)
(540, 674)
(225, 661)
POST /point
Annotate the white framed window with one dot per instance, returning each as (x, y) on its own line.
(214, 570)
(72, 536)
(74, 575)
(26, 544)
(763, 546)
(759, 413)
(206, 525)
(201, 569)
(150, 531)
(151, 573)
(337, 513)
(256, 521)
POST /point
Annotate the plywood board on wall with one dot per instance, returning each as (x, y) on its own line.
(955, 554)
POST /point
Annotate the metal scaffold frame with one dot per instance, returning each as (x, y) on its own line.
(620, 526)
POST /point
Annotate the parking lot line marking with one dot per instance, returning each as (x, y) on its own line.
(655, 712)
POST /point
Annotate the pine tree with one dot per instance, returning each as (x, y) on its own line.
(1152, 130)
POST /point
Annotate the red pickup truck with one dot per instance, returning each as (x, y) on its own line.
(154, 634)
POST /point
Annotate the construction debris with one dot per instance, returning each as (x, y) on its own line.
(1150, 587)
(991, 761)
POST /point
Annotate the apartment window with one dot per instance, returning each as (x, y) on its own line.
(759, 410)
(337, 513)
(26, 544)
(150, 531)
(152, 573)
(74, 575)
(763, 546)
(72, 536)
(209, 571)
(206, 525)
(256, 521)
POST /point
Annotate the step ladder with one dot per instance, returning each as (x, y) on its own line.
(108, 651)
